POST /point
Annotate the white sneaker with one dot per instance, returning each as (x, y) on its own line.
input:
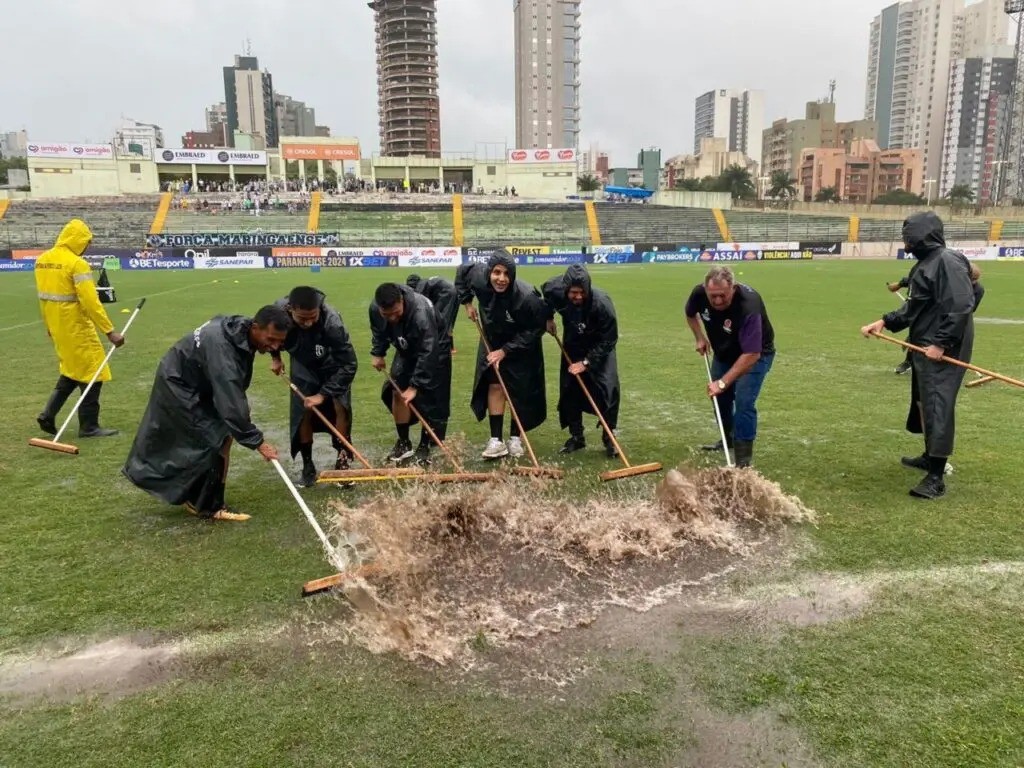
(495, 449)
(515, 447)
(949, 469)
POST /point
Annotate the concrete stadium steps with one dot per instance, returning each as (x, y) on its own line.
(760, 226)
(114, 221)
(192, 220)
(634, 223)
(1013, 230)
(530, 224)
(369, 225)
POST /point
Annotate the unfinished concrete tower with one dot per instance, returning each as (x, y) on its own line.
(410, 114)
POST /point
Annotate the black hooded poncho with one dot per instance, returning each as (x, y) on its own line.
(441, 293)
(590, 333)
(513, 321)
(939, 311)
(322, 361)
(423, 355)
(198, 400)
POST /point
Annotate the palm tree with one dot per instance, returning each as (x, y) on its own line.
(588, 182)
(782, 185)
(689, 185)
(960, 195)
(827, 195)
(737, 181)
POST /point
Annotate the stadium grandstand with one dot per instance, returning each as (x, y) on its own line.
(433, 220)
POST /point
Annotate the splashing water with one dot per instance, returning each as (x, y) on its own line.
(493, 564)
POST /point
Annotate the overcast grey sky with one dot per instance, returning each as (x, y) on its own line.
(643, 63)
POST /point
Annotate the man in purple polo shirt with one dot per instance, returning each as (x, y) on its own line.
(741, 336)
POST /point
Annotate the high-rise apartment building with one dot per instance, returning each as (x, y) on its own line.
(547, 73)
(294, 118)
(408, 105)
(912, 47)
(216, 116)
(786, 140)
(737, 116)
(249, 101)
(977, 117)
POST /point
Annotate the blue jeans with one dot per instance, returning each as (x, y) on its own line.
(738, 403)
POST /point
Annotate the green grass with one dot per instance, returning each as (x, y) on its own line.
(926, 677)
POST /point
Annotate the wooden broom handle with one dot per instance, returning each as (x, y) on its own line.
(327, 423)
(951, 360)
(607, 429)
(426, 426)
(508, 398)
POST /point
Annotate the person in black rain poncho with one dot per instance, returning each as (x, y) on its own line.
(514, 317)
(442, 295)
(939, 316)
(422, 366)
(323, 364)
(198, 407)
(590, 334)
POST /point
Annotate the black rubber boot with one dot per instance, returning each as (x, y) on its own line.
(744, 450)
(61, 392)
(574, 443)
(932, 487)
(89, 415)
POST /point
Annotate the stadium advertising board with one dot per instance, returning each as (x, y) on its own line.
(61, 151)
(1011, 254)
(221, 253)
(320, 151)
(977, 253)
(156, 263)
(534, 156)
(16, 265)
(787, 255)
(254, 261)
(823, 249)
(615, 258)
(371, 260)
(758, 246)
(27, 253)
(528, 250)
(210, 157)
(481, 255)
(240, 239)
(290, 258)
(604, 249)
(555, 259)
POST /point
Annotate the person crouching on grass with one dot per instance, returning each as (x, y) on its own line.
(198, 408)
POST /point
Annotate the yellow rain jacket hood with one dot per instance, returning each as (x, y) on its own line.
(69, 304)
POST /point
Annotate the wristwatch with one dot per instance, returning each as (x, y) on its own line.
(721, 385)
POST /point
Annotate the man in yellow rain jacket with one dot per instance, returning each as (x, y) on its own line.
(72, 313)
